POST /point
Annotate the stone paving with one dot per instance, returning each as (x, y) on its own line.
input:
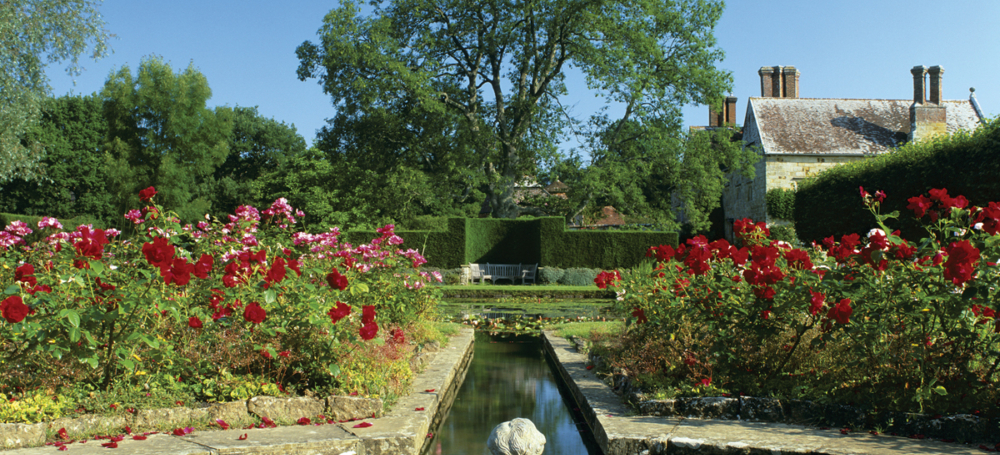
(619, 433)
(402, 431)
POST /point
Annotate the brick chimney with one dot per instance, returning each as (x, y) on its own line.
(767, 82)
(779, 82)
(928, 117)
(726, 117)
(790, 80)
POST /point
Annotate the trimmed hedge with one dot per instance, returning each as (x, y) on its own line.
(597, 249)
(502, 241)
(541, 240)
(963, 163)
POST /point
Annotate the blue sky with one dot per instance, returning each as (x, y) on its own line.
(843, 49)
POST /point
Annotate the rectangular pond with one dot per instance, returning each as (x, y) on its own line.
(511, 376)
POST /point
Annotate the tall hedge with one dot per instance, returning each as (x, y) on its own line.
(964, 163)
(541, 240)
(502, 241)
(597, 249)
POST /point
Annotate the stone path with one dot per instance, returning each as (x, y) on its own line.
(620, 434)
(402, 431)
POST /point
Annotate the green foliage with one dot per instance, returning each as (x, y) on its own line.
(37, 33)
(601, 249)
(161, 134)
(780, 203)
(963, 163)
(259, 149)
(550, 274)
(578, 276)
(785, 233)
(501, 241)
(33, 408)
(71, 129)
(488, 76)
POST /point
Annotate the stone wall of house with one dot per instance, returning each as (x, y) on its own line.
(745, 198)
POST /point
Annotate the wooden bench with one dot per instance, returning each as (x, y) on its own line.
(503, 272)
(496, 272)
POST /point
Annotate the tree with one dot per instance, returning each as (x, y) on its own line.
(72, 130)
(32, 34)
(495, 70)
(161, 134)
(258, 148)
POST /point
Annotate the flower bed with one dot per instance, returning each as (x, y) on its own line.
(878, 322)
(220, 310)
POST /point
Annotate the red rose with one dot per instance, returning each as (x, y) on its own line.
(203, 266)
(179, 272)
(194, 322)
(147, 194)
(24, 274)
(367, 314)
(640, 315)
(336, 280)
(254, 313)
(816, 302)
(842, 312)
(160, 253)
(339, 312)
(368, 331)
(13, 309)
(277, 271)
(961, 263)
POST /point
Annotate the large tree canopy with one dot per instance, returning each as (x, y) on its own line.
(495, 71)
(72, 131)
(160, 133)
(34, 33)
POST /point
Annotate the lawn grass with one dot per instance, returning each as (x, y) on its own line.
(586, 329)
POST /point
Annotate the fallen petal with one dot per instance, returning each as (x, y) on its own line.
(363, 425)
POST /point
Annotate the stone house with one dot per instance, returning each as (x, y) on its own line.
(800, 137)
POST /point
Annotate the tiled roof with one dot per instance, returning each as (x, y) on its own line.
(841, 126)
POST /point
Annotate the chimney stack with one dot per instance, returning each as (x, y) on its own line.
(928, 117)
(779, 82)
(918, 83)
(731, 110)
(936, 91)
(790, 80)
(725, 118)
(766, 84)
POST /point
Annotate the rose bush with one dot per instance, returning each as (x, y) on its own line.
(192, 302)
(875, 319)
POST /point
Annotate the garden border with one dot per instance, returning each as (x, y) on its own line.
(619, 432)
(402, 431)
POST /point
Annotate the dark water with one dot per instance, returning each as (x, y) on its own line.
(509, 377)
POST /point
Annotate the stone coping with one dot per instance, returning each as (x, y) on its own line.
(619, 432)
(404, 430)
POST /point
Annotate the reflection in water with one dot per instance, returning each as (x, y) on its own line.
(509, 378)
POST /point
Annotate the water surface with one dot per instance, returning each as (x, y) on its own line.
(509, 377)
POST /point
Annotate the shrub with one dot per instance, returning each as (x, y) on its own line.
(550, 275)
(579, 276)
(780, 203)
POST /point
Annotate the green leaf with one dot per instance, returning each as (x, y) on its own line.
(97, 267)
(334, 369)
(270, 296)
(72, 316)
(74, 334)
(940, 390)
(127, 363)
(92, 361)
(12, 289)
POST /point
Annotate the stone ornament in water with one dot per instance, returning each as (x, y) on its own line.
(516, 437)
